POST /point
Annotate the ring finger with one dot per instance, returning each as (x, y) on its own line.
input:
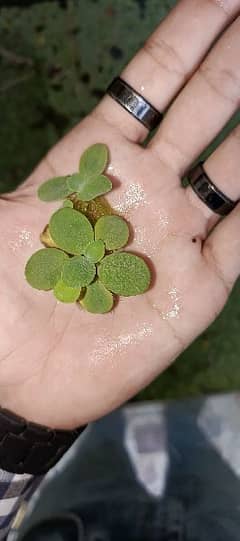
(223, 170)
(204, 106)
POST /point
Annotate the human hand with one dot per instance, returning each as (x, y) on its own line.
(63, 367)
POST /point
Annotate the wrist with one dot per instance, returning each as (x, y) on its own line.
(27, 447)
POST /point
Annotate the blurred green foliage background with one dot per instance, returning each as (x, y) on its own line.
(56, 59)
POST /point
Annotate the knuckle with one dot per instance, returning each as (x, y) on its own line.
(166, 56)
(224, 82)
(176, 156)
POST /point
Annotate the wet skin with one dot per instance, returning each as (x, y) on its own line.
(61, 366)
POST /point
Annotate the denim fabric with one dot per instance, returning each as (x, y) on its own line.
(147, 473)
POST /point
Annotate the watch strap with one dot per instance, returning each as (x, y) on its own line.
(27, 447)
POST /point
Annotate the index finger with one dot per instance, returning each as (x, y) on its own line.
(158, 71)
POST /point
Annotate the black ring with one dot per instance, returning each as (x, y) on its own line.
(216, 200)
(134, 103)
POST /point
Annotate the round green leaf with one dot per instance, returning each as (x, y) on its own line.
(124, 274)
(68, 203)
(97, 299)
(89, 188)
(71, 230)
(43, 269)
(113, 230)
(95, 251)
(78, 272)
(54, 189)
(94, 160)
(65, 293)
(94, 187)
(75, 181)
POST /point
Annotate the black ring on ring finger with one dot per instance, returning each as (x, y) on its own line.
(208, 192)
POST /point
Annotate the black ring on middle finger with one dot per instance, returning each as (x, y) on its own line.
(134, 103)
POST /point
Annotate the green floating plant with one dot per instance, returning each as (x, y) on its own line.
(89, 182)
(124, 274)
(113, 230)
(79, 271)
(95, 251)
(89, 188)
(64, 293)
(97, 299)
(44, 268)
(82, 261)
(71, 230)
(94, 160)
(54, 189)
(68, 203)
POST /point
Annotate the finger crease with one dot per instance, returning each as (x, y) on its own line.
(156, 309)
(180, 342)
(99, 115)
(165, 141)
(48, 161)
(154, 150)
(165, 56)
(217, 80)
(212, 260)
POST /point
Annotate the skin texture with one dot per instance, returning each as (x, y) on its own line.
(61, 366)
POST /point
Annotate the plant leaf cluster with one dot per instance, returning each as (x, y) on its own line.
(89, 182)
(84, 263)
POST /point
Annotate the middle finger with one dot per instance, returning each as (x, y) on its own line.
(169, 57)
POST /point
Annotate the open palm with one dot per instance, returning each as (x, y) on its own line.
(61, 366)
